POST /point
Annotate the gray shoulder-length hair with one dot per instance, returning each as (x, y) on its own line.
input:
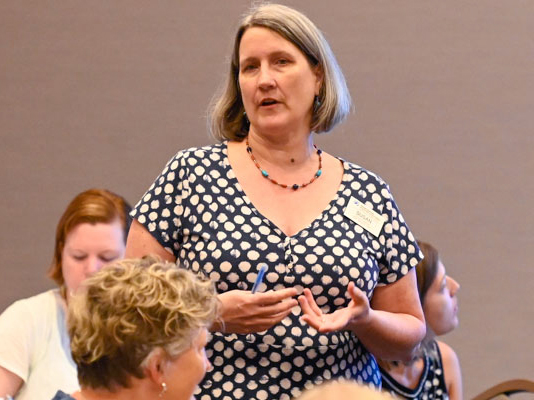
(226, 116)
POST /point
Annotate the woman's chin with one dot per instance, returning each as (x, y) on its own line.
(277, 123)
(270, 125)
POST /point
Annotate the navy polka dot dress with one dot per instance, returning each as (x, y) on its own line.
(197, 210)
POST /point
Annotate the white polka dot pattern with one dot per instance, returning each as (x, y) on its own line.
(197, 210)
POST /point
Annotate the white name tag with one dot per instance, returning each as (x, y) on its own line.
(368, 219)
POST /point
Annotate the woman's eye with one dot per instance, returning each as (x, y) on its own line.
(79, 257)
(282, 61)
(249, 67)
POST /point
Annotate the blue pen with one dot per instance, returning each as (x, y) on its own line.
(259, 278)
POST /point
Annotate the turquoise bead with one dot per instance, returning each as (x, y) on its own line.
(319, 172)
(264, 173)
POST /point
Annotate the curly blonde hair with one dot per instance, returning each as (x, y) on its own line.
(131, 308)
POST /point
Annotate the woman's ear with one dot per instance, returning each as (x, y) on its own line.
(155, 367)
(319, 75)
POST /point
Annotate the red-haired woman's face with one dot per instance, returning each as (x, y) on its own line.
(440, 304)
(87, 248)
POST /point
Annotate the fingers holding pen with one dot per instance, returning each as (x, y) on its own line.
(244, 312)
(276, 296)
(277, 302)
(266, 322)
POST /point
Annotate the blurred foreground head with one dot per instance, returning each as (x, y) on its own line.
(343, 390)
(142, 323)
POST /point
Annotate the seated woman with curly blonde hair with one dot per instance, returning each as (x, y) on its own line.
(138, 330)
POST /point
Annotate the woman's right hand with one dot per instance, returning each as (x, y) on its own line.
(244, 312)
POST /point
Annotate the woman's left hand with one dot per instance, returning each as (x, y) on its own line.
(357, 311)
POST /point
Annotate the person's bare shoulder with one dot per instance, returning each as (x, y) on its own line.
(451, 371)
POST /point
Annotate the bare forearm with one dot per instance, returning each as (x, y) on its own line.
(390, 336)
(140, 243)
(451, 371)
(9, 383)
(390, 327)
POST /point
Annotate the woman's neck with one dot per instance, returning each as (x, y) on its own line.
(290, 151)
(131, 393)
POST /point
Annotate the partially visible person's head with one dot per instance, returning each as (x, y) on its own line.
(91, 232)
(437, 292)
(333, 102)
(142, 318)
(343, 390)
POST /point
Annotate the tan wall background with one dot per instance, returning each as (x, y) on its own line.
(102, 93)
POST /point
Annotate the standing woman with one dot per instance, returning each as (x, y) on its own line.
(267, 195)
(35, 358)
(435, 372)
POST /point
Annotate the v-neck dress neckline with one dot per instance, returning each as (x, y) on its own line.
(233, 178)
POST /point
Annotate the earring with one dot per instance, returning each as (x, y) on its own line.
(163, 389)
(245, 124)
(316, 103)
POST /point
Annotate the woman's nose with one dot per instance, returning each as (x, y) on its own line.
(93, 265)
(207, 364)
(265, 79)
(454, 286)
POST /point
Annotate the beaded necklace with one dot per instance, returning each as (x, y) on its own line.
(265, 174)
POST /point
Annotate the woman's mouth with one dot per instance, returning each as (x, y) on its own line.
(268, 102)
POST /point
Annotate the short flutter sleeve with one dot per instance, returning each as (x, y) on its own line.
(160, 209)
(395, 248)
(401, 252)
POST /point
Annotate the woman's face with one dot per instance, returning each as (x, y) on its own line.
(186, 371)
(87, 248)
(278, 85)
(440, 304)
